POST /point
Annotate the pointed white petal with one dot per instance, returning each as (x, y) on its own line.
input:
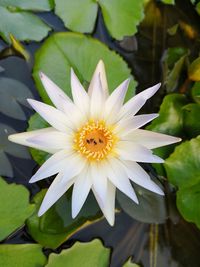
(80, 96)
(135, 103)
(99, 180)
(138, 175)
(55, 191)
(53, 116)
(24, 139)
(81, 190)
(53, 91)
(52, 139)
(100, 70)
(115, 102)
(150, 139)
(53, 165)
(117, 175)
(108, 208)
(136, 152)
(97, 100)
(124, 126)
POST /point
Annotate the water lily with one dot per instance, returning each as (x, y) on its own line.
(95, 142)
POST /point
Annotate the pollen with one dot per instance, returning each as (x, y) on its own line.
(95, 140)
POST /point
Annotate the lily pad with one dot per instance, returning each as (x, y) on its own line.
(37, 5)
(26, 255)
(22, 24)
(120, 17)
(191, 122)
(8, 148)
(81, 254)
(57, 225)
(151, 207)
(13, 95)
(82, 53)
(14, 208)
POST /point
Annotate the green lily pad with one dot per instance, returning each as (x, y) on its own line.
(91, 254)
(68, 50)
(130, 264)
(57, 225)
(37, 5)
(191, 122)
(121, 17)
(8, 148)
(14, 208)
(196, 92)
(168, 2)
(13, 95)
(194, 70)
(23, 255)
(151, 207)
(35, 122)
(20, 23)
(183, 165)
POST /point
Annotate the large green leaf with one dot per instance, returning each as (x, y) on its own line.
(37, 5)
(151, 207)
(36, 122)
(91, 254)
(121, 17)
(23, 255)
(13, 95)
(57, 225)
(191, 122)
(8, 148)
(183, 165)
(22, 24)
(65, 50)
(14, 207)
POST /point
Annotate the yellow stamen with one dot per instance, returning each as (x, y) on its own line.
(95, 140)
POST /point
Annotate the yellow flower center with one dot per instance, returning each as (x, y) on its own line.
(95, 140)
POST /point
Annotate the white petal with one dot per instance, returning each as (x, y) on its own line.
(99, 180)
(135, 103)
(150, 139)
(53, 165)
(81, 190)
(52, 115)
(100, 69)
(136, 152)
(51, 139)
(80, 96)
(115, 102)
(24, 139)
(97, 100)
(53, 91)
(119, 178)
(55, 191)
(138, 175)
(124, 126)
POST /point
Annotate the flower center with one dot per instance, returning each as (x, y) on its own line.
(94, 140)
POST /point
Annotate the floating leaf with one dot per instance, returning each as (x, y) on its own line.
(191, 122)
(36, 122)
(19, 48)
(151, 208)
(14, 208)
(13, 95)
(194, 70)
(82, 53)
(121, 17)
(57, 225)
(81, 254)
(196, 92)
(36, 5)
(23, 255)
(22, 24)
(168, 2)
(9, 148)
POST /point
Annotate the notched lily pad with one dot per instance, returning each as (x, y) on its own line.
(13, 95)
(57, 225)
(81, 254)
(14, 208)
(8, 148)
(26, 255)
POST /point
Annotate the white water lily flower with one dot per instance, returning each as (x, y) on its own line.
(95, 142)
